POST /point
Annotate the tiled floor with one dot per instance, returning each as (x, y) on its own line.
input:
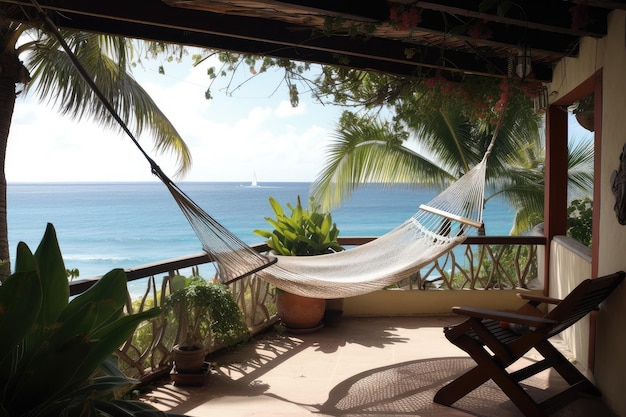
(363, 367)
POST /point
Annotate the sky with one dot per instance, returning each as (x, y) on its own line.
(232, 138)
(256, 131)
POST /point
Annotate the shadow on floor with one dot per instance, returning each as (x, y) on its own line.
(266, 377)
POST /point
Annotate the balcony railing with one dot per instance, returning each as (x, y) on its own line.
(492, 263)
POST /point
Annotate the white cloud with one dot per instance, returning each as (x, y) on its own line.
(229, 137)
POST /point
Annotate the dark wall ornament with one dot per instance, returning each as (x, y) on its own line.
(618, 186)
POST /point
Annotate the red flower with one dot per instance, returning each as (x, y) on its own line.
(405, 19)
(430, 82)
(480, 31)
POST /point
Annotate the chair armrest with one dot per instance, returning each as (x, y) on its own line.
(504, 316)
(538, 298)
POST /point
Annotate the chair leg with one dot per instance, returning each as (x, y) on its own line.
(487, 368)
(516, 393)
(565, 368)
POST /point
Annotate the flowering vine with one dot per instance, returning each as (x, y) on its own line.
(405, 17)
(477, 97)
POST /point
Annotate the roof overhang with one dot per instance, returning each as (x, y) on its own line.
(296, 30)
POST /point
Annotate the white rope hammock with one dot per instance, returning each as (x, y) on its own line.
(434, 230)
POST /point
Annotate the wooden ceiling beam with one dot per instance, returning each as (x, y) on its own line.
(370, 10)
(154, 20)
(548, 16)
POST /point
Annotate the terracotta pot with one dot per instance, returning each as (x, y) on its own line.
(298, 313)
(188, 359)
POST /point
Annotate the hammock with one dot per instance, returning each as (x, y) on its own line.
(434, 230)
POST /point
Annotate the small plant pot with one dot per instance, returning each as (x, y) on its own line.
(300, 314)
(188, 359)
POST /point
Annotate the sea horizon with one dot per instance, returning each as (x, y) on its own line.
(119, 224)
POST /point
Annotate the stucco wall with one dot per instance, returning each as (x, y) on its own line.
(430, 302)
(608, 54)
(571, 263)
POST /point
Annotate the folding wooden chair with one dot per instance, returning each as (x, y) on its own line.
(489, 338)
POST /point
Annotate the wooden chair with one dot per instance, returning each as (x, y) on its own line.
(489, 338)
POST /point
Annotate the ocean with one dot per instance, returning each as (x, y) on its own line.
(101, 226)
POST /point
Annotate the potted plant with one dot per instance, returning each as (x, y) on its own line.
(56, 355)
(584, 112)
(204, 313)
(302, 232)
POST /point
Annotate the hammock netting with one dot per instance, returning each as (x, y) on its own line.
(434, 230)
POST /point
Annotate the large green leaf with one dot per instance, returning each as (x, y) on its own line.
(47, 375)
(109, 293)
(24, 259)
(53, 275)
(109, 338)
(17, 317)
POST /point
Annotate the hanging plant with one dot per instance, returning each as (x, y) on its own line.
(584, 112)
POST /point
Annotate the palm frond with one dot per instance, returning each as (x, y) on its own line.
(371, 153)
(60, 84)
(580, 168)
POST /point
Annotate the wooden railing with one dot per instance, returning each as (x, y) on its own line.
(479, 263)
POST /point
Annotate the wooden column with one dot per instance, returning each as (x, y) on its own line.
(555, 197)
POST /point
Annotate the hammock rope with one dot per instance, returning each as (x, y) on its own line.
(436, 228)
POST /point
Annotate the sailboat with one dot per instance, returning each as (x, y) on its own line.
(254, 183)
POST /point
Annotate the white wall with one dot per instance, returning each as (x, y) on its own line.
(570, 265)
(608, 54)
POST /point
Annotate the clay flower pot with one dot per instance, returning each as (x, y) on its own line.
(300, 314)
(188, 359)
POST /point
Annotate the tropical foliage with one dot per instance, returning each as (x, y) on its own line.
(32, 60)
(580, 220)
(304, 232)
(56, 355)
(366, 150)
(203, 312)
(429, 130)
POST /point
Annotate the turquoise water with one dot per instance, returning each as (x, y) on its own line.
(101, 226)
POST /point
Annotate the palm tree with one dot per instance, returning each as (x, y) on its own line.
(367, 150)
(48, 71)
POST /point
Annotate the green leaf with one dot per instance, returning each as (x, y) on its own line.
(48, 375)
(24, 259)
(111, 337)
(278, 209)
(56, 290)
(20, 302)
(109, 293)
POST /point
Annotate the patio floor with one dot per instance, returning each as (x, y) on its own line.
(389, 366)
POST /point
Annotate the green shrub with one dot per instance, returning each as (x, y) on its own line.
(204, 312)
(580, 220)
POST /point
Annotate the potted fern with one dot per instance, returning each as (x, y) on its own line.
(300, 232)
